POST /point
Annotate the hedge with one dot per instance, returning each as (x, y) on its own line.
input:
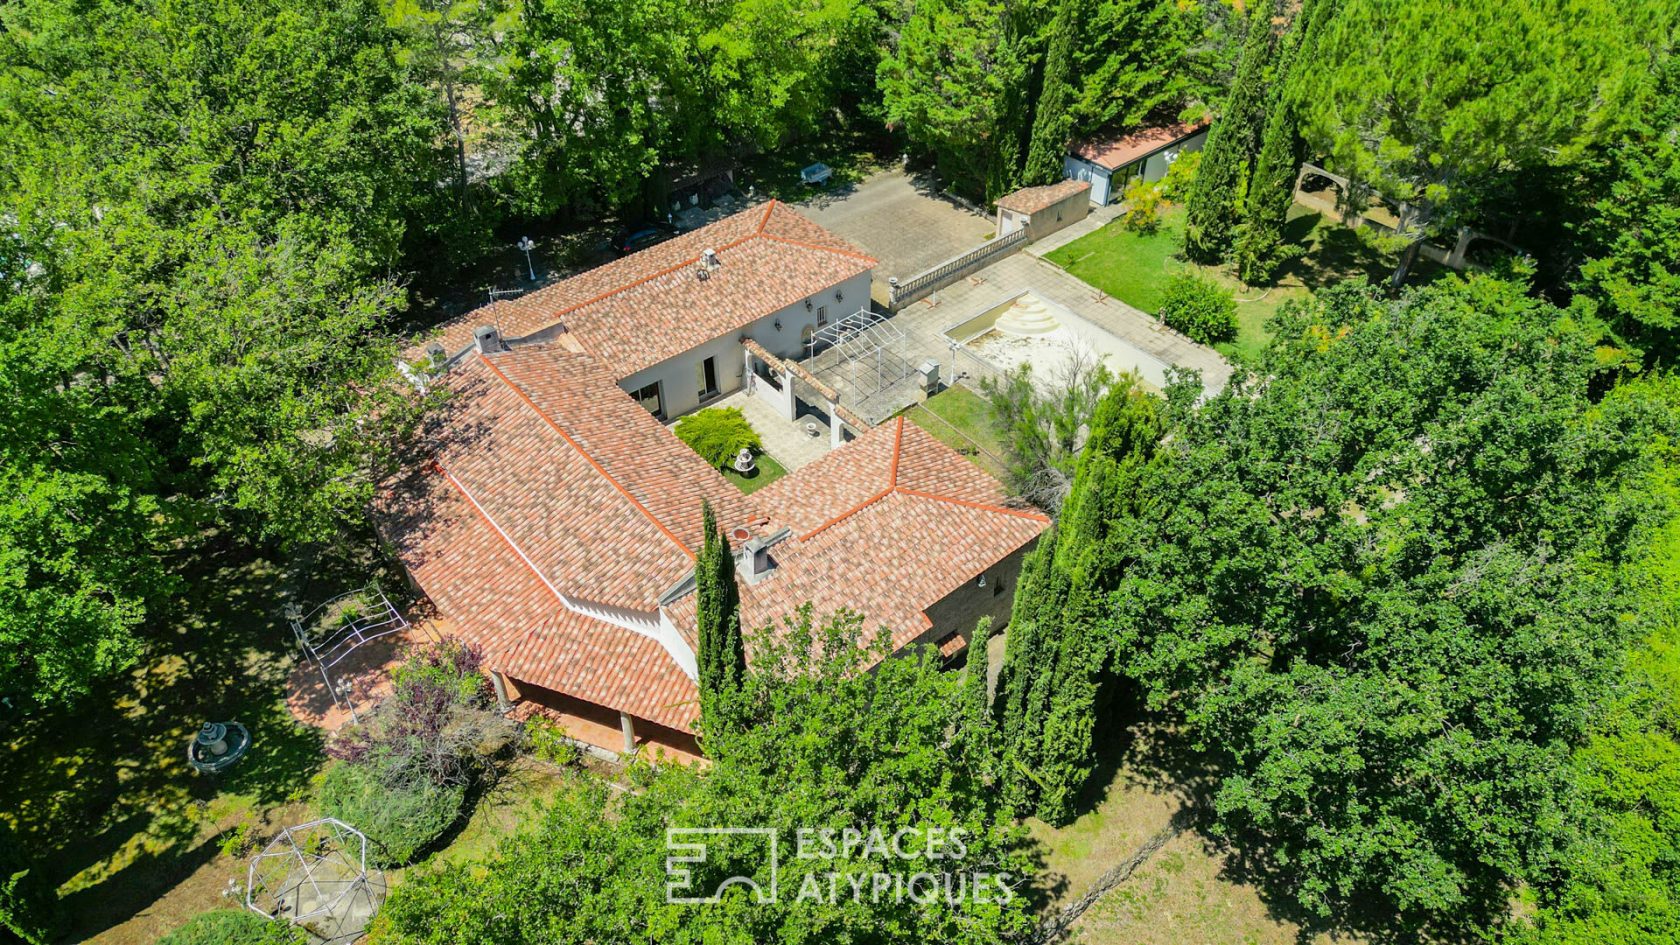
(400, 820)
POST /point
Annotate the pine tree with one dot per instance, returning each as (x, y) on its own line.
(1053, 120)
(722, 658)
(1216, 195)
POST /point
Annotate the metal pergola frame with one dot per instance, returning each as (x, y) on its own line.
(276, 877)
(380, 619)
(863, 337)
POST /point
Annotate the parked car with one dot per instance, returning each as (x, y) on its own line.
(640, 236)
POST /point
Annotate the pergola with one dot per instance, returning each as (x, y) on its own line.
(333, 630)
(866, 347)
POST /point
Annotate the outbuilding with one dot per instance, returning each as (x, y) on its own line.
(1109, 162)
(1043, 210)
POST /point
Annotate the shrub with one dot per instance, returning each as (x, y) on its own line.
(234, 927)
(1175, 186)
(1199, 308)
(399, 816)
(718, 434)
(450, 665)
(548, 742)
(1143, 207)
(28, 903)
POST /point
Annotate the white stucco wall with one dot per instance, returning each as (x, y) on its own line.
(1155, 166)
(1075, 168)
(677, 376)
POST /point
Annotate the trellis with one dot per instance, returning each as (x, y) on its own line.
(866, 346)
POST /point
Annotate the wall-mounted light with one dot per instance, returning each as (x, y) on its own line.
(778, 324)
(839, 296)
(807, 305)
(981, 582)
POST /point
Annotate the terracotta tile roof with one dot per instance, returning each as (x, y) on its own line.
(650, 306)
(1031, 200)
(1117, 151)
(886, 525)
(496, 600)
(507, 455)
(666, 478)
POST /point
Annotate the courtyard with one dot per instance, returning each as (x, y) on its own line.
(899, 219)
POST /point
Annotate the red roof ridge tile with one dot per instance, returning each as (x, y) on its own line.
(804, 244)
(769, 210)
(970, 503)
(898, 447)
(585, 454)
(893, 488)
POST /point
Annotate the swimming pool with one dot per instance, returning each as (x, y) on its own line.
(1030, 329)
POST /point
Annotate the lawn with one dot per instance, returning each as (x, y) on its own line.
(957, 417)
(1134, 267)
(100, 793)
(769, 470)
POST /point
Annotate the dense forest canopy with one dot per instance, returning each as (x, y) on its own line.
(1406, 585)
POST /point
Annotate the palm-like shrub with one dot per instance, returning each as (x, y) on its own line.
(1199, 308)
(718, 434)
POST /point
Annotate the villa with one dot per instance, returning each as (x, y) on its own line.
(555, 520)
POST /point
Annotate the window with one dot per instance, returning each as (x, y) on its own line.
(705, 375)
(822, 315)
(650, 400)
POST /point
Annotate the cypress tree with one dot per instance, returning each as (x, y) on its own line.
(1260, 248)
(977, 703)
(722, 654)
(1216, 195)
(1053, 119)
(1058, 665)
(1010, 133)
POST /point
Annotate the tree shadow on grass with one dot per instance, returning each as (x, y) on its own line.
(100, 791)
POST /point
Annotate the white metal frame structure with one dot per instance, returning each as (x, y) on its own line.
(863, 337)
(310, 874)
(378, 618)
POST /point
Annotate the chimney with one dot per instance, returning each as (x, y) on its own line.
(755, 560)
(709, 258)
(488, 339)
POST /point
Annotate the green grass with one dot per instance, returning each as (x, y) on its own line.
(513, 801)
(959, 420)
(100, 793)
(1134, 267)
(768, 471)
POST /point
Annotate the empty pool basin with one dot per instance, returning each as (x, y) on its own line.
(1028, 316)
